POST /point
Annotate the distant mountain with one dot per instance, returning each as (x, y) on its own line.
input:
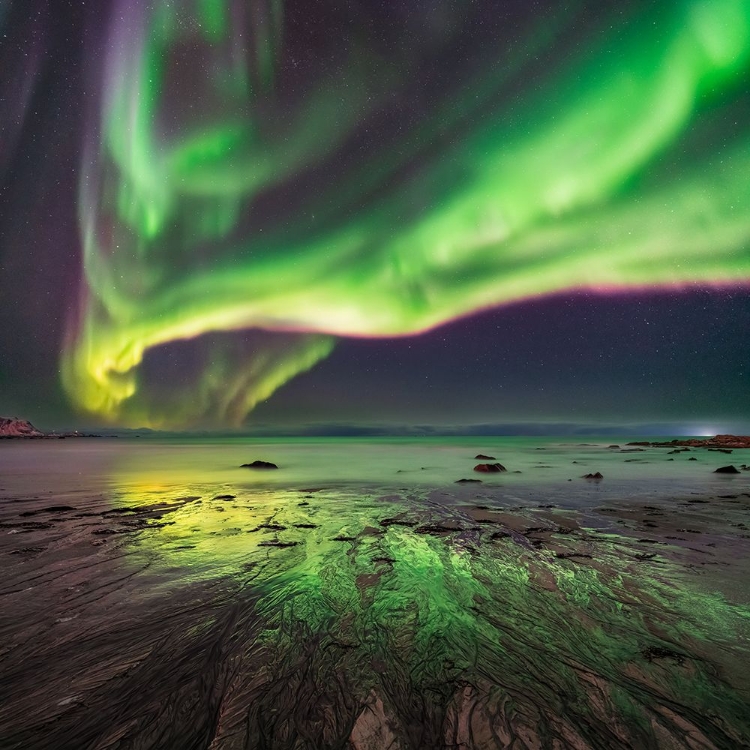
(18, 428)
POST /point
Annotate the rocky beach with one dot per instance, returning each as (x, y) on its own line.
(506, 613)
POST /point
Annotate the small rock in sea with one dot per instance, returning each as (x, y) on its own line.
(692, 458)
(489, 468)
(598, 475)
(720, 450)
(613, 446)
(468, 481)
(727, 470)
(259, 465)
(482, 457)
(225, 497)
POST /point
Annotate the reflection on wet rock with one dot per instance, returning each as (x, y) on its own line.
(363, 619)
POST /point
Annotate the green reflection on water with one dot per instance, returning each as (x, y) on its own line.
(600, 649)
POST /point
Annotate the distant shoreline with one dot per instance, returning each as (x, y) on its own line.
(13, 428)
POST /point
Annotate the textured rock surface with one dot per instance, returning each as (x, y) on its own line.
(15, 427)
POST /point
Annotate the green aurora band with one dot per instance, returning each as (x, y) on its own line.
(220, 192)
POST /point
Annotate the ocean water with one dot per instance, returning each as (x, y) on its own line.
(552, 466)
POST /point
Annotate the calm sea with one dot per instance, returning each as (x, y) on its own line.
(535, 466)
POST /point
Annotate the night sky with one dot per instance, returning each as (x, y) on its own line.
(426, 215)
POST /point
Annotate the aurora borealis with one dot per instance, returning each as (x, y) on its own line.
(262, 179)
(275, 275)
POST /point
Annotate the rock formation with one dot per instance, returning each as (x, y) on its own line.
(13, 427)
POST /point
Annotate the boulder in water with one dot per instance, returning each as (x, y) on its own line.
(490, 468)
(727, 470)
(259, 465)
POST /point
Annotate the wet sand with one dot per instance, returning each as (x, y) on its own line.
(374, 617)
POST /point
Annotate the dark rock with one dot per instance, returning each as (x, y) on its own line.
(659, 652)
(28, 551)
(277, 543)
(720, 450)
(50, 509)
(396, 522)
(435, 530)
(727, 470)
(482, 457)
(692, 458)
(500, 535)
(597, 475)
(259, 465)
(489, 468)
(613, 446)
(225, 497)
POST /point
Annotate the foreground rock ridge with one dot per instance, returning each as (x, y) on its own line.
(224, 612)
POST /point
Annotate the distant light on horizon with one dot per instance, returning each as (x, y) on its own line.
(708, 431)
